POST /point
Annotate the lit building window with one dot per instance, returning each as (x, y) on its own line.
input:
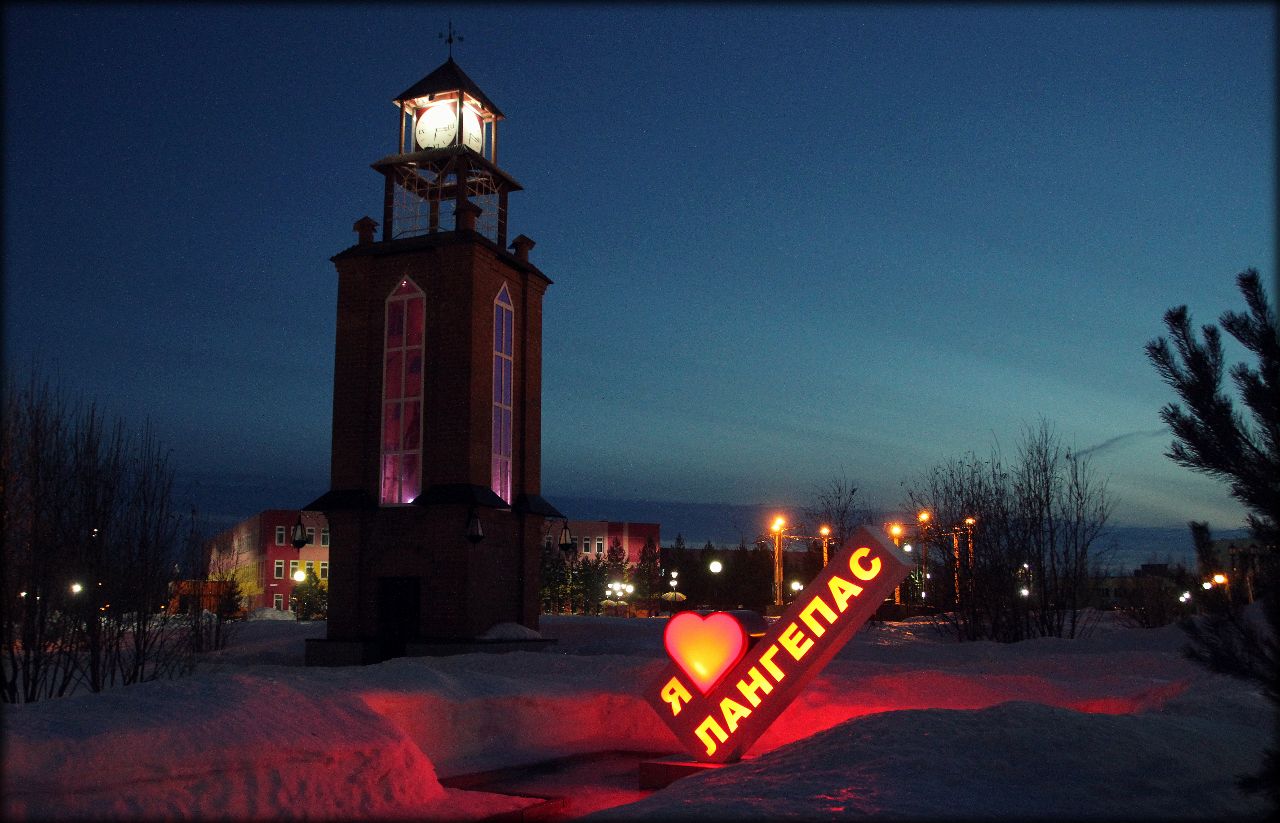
(279, 570)
(279, 535)
(503, 363)
(402, 396)
(324, 570)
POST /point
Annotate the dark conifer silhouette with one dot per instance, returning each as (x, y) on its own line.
(1214, 437)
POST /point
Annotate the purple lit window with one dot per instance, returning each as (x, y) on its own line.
(503, 362)
(402, 396)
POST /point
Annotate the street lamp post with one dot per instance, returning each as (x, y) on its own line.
(616, 592)
(922, 528)
(566, 547)
(968, 543)
(566, 541)
(778, 525)
(779, 529)
(964, 528)
(895, 532)
(299, 533)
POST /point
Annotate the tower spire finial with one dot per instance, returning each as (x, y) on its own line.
(449, 39)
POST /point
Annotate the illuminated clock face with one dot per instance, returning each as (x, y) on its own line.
(472, 133)
(438, 127)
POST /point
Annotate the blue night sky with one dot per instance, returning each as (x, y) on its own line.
(788, 243)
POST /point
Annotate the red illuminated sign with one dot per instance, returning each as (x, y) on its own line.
(718, 696)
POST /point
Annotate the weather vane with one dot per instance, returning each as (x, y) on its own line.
(449, 40)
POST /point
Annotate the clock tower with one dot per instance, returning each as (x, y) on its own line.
(436, 520)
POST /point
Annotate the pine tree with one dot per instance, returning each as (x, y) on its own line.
(311, 598)
(615, 561)
(554, 570)
(1213, 437)
(590, 582)
(646, 575)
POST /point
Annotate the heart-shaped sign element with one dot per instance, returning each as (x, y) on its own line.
(705, 647)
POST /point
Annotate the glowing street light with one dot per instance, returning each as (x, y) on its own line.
(299, 575)
(778, 524)
(955, 545)
(1207, 585)
(76, 588)
(779, 529)
(1219, 579)
(923, 519)
(715, 566)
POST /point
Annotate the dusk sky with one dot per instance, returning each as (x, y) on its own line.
(788, 243)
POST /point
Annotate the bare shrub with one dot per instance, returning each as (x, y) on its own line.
(89, 537)
(1009, 549)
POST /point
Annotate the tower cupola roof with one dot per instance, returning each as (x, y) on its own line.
(448, 77)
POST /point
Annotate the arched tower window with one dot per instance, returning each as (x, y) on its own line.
(402, 396)
(503, 364)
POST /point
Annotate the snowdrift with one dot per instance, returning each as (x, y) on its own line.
(903, 723)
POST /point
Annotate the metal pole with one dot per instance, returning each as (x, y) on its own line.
(955, 545)
(777, 567)
(402, 117)
(924, 565)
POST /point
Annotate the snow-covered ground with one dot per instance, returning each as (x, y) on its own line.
(903, 723)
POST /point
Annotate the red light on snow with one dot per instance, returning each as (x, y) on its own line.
(705, 647)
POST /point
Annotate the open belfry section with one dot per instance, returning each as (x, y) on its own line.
(434, 502)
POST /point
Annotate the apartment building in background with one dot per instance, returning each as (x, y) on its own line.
(259, 552)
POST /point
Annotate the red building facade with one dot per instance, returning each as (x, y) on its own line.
(592, 538)
(259, 552)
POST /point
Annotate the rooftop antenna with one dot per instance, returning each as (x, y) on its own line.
(449, 40)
